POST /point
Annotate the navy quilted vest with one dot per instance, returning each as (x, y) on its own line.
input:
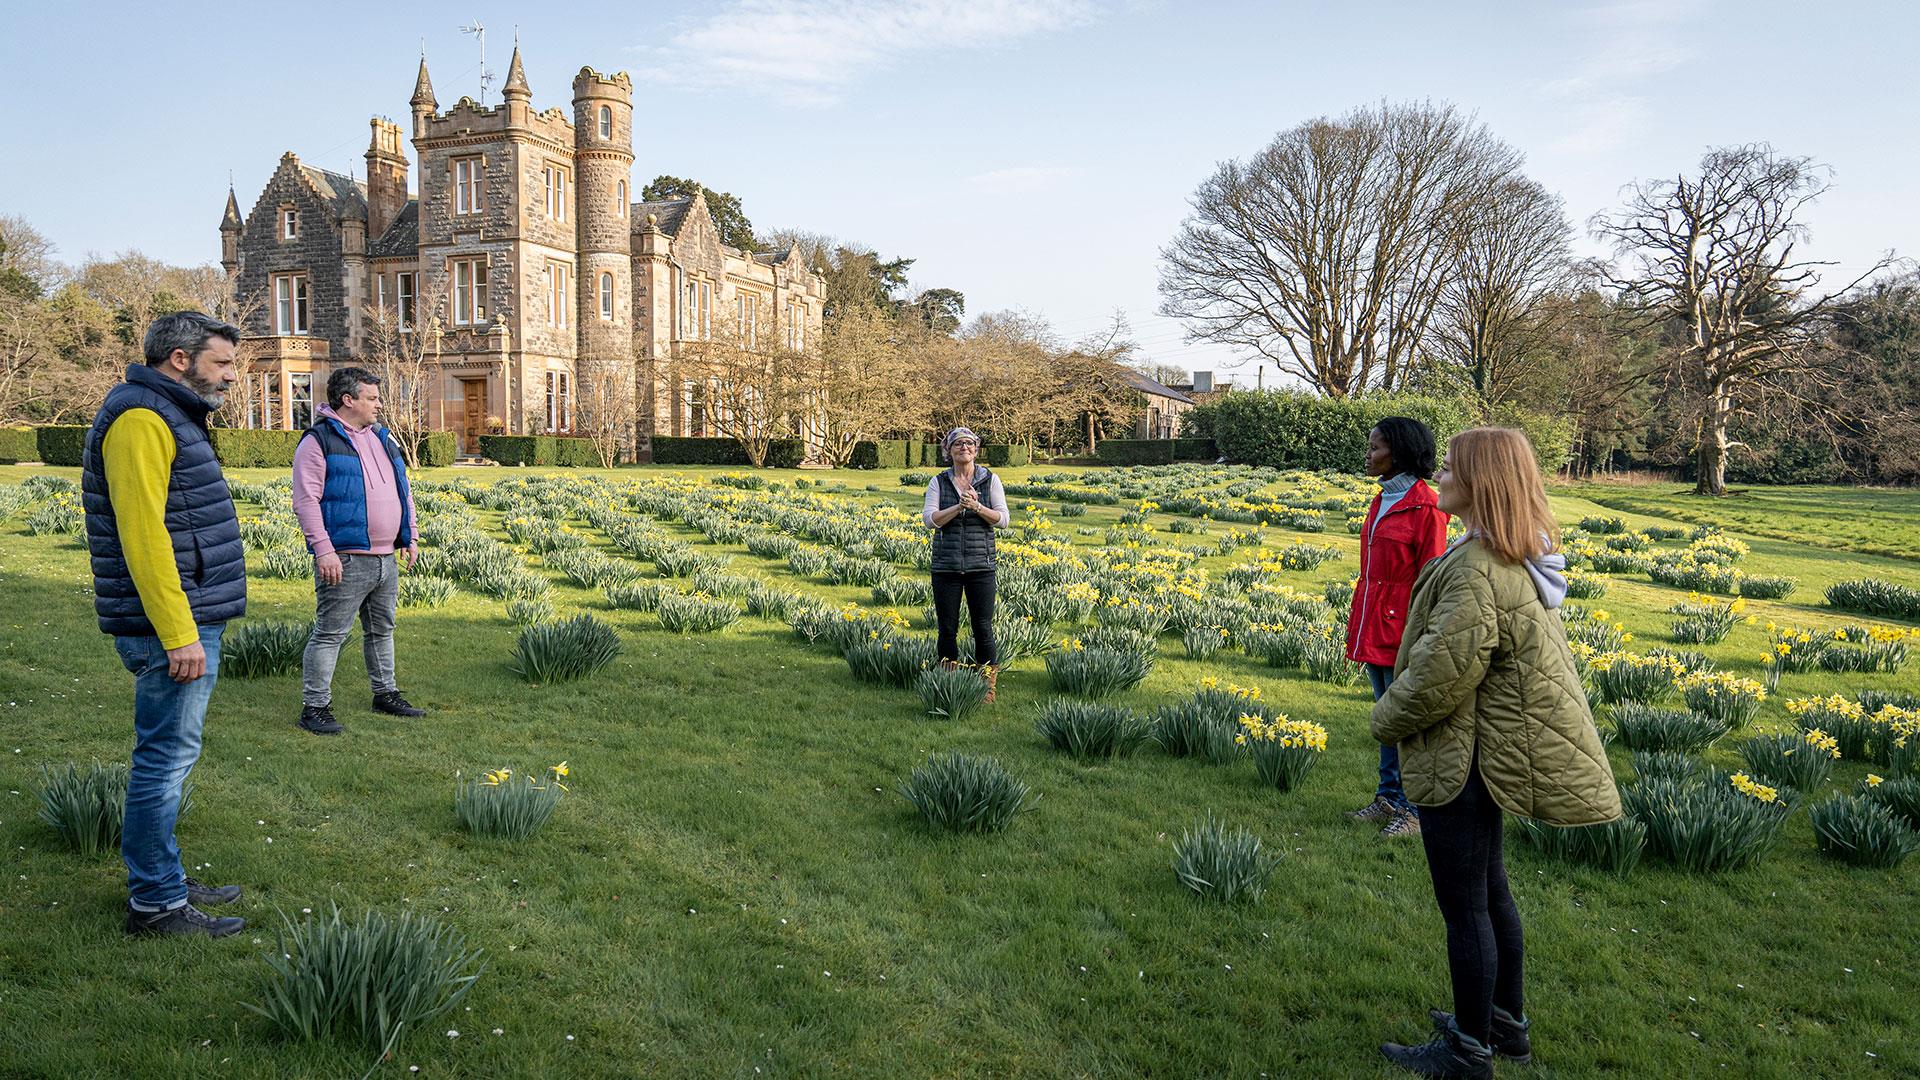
(343, 501)
(200, 517)
(966, 543)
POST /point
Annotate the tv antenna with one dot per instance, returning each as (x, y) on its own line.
(479, 32)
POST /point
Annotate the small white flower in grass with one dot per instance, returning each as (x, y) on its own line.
(569, 1038)
(257, 821)
(452, 1034)
(499, 1031)
(306, 911)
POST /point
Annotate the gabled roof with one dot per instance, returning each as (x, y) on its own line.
(402, 238)
(774, 258)
(346, 196)
(671, 213)
(1147, 386)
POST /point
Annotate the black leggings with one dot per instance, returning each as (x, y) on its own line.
(1484, 947)
(978, 587)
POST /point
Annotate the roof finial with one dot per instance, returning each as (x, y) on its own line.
(423, 86)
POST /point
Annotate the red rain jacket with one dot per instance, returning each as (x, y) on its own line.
(1391, 555)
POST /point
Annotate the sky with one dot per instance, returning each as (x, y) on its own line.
(1033, 154)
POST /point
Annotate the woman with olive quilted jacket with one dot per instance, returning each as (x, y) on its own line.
(1490, 716)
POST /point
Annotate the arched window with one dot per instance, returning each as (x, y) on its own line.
(606, 122)
(606, 296)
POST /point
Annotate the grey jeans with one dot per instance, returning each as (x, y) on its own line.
(370, 585)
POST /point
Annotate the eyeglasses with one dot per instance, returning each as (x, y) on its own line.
(967, 443)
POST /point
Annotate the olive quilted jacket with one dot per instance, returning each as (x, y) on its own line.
(1483, 663)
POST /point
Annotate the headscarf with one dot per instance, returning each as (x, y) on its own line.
(946, 444)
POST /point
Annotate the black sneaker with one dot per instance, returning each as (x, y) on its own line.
(393, 704)
(185, 920)
(1508, 1037)
(319, 720)
(199, 892)
(1450, 1055)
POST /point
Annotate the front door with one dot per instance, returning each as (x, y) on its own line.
(473, 420)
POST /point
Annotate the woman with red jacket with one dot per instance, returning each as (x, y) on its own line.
(1404, 529)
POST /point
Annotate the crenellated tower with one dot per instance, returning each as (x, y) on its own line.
(603, 161)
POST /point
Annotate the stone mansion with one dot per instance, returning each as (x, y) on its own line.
(520, 251)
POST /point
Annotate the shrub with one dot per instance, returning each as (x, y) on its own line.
(1767, 588)
(1801, 761)
(250, 650)
(1722, 696)
(1715, 822)
(1003, 455)
(1218, 863)
(263, 448)
(18, 444)
(61, 444)
(425, 590)
(507, 805)
(1089, 730)
(552, 652)
(1614, 847)
(1642, 727)
(681, 450)
(1283, 750)
(965, 794)
(436, 448)
(1134, 451)
(952, 692)
(1096, 671)
(696, 613)
(1858, 830)
(1868, 596)
(372, 981)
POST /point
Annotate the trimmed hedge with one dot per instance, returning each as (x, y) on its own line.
(865, 455)
(1154, 451)
(1004, 455)
(248, 448)
(437, 448)
(61, 444)
(1291, 429)
(684, 450)
(540, 450)
(18, 444)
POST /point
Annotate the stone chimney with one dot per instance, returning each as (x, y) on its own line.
(386, 177)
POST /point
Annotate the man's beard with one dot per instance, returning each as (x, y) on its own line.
(211, 394)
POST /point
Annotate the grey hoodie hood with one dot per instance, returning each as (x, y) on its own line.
(1549, 573)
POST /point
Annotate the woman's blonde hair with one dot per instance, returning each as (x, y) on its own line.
(1502, 493)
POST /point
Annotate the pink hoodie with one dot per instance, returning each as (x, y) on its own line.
(383, 491)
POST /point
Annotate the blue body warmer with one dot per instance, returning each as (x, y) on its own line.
(200, 518)
(343, 501)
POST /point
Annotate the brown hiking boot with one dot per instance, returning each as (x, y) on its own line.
(993, 681)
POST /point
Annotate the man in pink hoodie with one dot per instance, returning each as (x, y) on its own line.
(351, 495)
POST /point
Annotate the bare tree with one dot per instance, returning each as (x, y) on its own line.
(609, 410)
(406, 356)
(860, 383)
(1325, 251)
(751, 386)
(1493, 307)
(1716, 253)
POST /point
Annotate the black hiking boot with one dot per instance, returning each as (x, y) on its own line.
(319, 720)
(205, 895)
(1450, 1055)
(1507, 1038)
(184, 921)
(393, 704)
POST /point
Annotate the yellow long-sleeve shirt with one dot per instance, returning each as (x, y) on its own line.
(137, 454)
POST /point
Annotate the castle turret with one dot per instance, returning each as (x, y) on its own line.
(386, 177)
(516, 93)
(603, 164)
(231, 226)
(422, 100)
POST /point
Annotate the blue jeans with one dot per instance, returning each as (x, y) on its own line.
(1381, 677)
(167, 717)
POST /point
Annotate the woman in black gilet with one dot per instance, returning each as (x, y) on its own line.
(964, 506)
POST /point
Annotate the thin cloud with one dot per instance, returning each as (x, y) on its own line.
(1624, 46)
(810, 53)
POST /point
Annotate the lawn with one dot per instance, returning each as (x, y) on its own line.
(733, 886)
(1874, 521)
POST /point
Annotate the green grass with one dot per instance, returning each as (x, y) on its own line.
(733, 835)
(1871, 521)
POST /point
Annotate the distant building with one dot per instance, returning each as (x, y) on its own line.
(521, 250)
(1161, 417)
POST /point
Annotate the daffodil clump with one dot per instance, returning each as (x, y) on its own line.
(1688, 570)
(1593, 627)
(1101, 661)
(1624, 676)
(507, 805)
(1722, 695)
(1704, 620)
(1283, 750)
(890, 659)
(1090, 730)
(962, 793)
(1614, 847)
(1586, 584)
(1840, 718)
(1708, 821)
(1872, 596)
(1863, 831)
(1896, 739)
(1867, 649)
(1226, 865)
(1639, 726)
(1206, 723)
(1802, 760)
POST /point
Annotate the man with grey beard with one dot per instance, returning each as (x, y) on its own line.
(169, 571)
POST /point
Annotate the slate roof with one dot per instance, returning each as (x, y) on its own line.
(773, 258)
(402, 238)
(1147, 386)
(346, 196)
(672, 213)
